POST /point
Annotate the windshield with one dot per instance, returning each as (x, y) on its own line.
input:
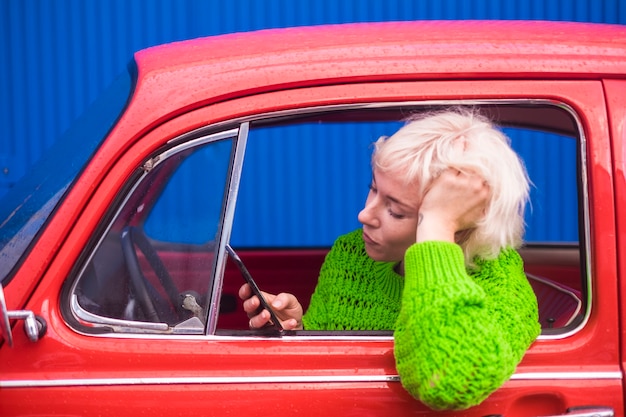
(28, 204)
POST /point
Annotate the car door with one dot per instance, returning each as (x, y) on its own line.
(201, 359)
(562, 253)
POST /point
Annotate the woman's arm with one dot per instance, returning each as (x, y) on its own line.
(458, 338)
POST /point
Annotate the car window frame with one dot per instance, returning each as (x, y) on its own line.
(90, 323)
(297, 113)
(584, 248)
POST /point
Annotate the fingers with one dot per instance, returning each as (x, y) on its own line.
(283, 301)
(464, 180)
(251, 303)
(260, 320)
(284, 305)
(454, 201)
(291, 324)
(453, 186)
(263, 318)
(252, 306)
(289, 310)
(245, 292)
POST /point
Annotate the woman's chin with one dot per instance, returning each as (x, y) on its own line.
(376, 255)
(372, 254)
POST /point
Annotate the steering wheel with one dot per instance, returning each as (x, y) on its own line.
(130, 237)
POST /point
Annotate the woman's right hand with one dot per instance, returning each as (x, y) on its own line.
(454, 202)
(286, 307)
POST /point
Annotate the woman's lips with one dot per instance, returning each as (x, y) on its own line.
(367, 239)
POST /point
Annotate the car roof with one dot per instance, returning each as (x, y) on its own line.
(402, 49)
(227, 66)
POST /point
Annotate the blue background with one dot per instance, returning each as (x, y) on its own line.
(57, 56)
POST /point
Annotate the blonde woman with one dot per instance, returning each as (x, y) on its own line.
(435, 261)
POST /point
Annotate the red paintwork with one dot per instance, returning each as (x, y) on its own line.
(617, 111)
(191, 84)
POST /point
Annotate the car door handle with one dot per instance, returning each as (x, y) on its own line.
(588, 411)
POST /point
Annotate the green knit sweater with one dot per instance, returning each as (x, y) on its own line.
(458, 334)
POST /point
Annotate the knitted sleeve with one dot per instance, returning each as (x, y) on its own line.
(458, 338)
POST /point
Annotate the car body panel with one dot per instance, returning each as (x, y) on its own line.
(220, 82)
(617, 110)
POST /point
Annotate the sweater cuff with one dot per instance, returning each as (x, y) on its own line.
(434, 264)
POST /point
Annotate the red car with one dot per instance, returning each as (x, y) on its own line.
(120, 296)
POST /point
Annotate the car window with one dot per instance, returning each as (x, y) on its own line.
(304, 182)
(27, 205)
(154, 267)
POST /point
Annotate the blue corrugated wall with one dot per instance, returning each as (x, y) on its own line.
(57, 56)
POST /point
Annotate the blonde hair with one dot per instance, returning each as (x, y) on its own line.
(467, 141)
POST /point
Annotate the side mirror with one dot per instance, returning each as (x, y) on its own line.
(35, 327)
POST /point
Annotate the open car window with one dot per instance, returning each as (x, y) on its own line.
(290, 211)
(301, 179)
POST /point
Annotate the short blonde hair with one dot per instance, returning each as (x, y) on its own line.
(467, 141)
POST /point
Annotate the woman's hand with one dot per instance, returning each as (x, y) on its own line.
(285, 306)
(455, 201)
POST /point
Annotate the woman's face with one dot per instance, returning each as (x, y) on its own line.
(390, 217)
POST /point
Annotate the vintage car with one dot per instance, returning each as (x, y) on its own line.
(120, 296)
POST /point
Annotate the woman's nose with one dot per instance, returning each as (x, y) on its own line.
(367, 215)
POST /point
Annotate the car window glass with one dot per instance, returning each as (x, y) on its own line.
(25, 208)
(156, 262)
(304, 183)
(187, 211)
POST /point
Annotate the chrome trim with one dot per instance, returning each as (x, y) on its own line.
(227, 225)
(198, 380)
(93, 320)
(569, 376)
(586, 221)
(277, 379)
(169, 336)
(130, 327)
(582, 143)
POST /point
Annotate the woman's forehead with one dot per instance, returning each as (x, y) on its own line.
(396, 187)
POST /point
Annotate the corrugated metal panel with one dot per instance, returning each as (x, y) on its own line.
(57, 56)
(309, 192)
(304, 186)
(553, 213)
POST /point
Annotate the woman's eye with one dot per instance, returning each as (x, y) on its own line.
(395, 215)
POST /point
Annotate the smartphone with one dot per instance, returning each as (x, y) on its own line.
(274, 322)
